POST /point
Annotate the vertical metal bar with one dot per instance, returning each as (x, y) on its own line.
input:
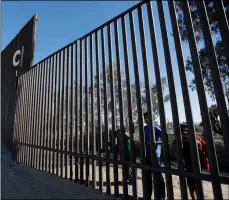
(199, 86)
(39, 116)
(108, 190)
(20, 117)
(86, 111)
(37, 113)
(213, 64)
(34, 104)
(98, 108)
(54, 142)
(31, 110)
(154, 160)
(165, 145)
(58, 145)
(28, 87)
(138, 95)
(113, 112)
(81, 112)
(48, 116)
(51, 135)
(41, 132)
(44, 114)
(28, 123)
(76, 112)
(62, 116)
(71, 112)
(223, 26)
(23, 118)
(32, 116)
(93, 115)
(17, 120)
(124, 172)
(129, 99)
(184, 85)
(28, 119)
(20, 108)
(66, 142)
(171, 89)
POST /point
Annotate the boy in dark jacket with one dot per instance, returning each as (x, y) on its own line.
(187, 157)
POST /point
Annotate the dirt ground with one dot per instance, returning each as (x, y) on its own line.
(207, 186)
(22, 182)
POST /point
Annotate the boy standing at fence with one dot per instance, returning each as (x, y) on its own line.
(187, 157)
(147, 173)
(126, 150)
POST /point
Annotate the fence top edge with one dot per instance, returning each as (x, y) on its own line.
(88, 34)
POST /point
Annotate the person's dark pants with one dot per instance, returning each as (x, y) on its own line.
(127, 158)
(148, 181)
(190, 181)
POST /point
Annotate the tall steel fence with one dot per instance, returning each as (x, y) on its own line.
(70, 105)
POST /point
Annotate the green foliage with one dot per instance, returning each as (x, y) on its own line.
(216, 127)
(214, 26)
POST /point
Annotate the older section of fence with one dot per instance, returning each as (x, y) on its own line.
(71, 103)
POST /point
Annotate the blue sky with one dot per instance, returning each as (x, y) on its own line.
(59, 23)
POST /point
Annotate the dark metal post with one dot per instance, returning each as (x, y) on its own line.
(165, 145)
(86, 112)
(106, 132)
(129, 99)
(41, 115)
(51, 132)
(122, 132)
(66, 139)
(34, 105)
(62, 115)
(213, 64)
(54, 129)
(81, 113)
(47, 121)
(113, 111)
(98, 108)
(76, 112)
(44, 114)
(71, 111)
(138, 95)
(58, 145)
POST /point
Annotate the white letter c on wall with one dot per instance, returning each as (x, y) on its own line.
(16, 62)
